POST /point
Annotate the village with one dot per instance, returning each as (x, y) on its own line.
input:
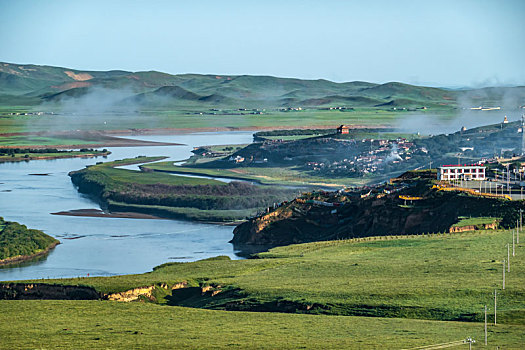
(371, 156)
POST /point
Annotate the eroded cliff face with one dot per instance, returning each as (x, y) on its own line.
(303, 221)
(455, 229)
(132, 294)
(22, 291)
(136, 293)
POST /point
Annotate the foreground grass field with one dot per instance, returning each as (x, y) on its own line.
(45, 324)
(440, 277)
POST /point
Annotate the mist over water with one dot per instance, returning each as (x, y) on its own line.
(509, 100)
(92, 106)
(430, 124)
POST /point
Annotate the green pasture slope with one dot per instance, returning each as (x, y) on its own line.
(437, 284)
(17, 241)
(47, 324)
(441, 277)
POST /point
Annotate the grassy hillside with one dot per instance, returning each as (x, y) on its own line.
(17, 241)
(92, 324)
(438, 277)
(161, 91)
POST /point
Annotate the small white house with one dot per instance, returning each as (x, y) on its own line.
(462, 172)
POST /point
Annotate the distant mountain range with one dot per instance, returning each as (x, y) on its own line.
(31, 85)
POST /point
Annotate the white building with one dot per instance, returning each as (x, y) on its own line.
(463, 172)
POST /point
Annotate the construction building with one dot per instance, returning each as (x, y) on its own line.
(461, 172)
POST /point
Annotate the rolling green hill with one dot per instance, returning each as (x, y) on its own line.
(29, 85)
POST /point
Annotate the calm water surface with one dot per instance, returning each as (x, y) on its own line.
(105, 246)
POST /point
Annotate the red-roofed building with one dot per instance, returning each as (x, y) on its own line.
(343, 129)
(462, 172)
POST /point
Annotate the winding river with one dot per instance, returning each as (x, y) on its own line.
(97, 246)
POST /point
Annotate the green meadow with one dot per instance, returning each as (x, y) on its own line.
(180, 119)
(47, 324)
(440, 277)
(420, 290)
(264, 175)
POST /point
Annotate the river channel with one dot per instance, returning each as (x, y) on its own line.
(105, 246)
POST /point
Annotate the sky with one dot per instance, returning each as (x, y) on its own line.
(460, 43)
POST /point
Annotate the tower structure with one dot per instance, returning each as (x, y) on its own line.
(523, 134)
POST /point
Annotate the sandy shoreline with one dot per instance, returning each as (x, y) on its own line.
(99, 140)
(96, 213)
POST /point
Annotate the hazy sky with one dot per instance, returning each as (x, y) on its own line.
(446, 43)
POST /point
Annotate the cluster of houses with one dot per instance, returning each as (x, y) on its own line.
(375, 153)
(31, 113)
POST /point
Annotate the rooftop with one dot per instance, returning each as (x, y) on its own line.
(461, 165)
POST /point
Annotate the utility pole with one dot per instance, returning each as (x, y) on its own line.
(521, 225)
(513, 245)
(495, 306)
(508, 179)
(503, 274)
(469, 340)
(485, 324)
(508, 257)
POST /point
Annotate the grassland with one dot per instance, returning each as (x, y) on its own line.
(439, 277)
(183, 120)
(113, 174)
(17, 242)
(170, 196)
(417, 287)
(91, 324)
(265, 175)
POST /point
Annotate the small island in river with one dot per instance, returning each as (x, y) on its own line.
(18, 243)
(26, 154)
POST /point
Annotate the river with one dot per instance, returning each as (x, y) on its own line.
(105, 246)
